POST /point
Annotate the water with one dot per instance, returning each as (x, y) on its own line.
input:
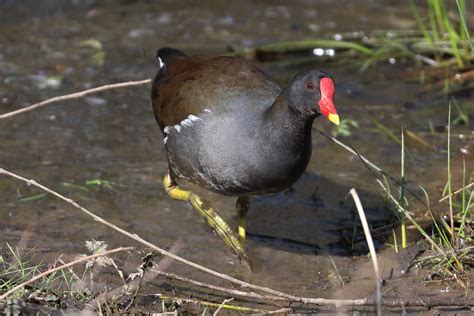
(113, 136)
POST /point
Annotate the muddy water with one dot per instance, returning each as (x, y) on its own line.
(113, 136)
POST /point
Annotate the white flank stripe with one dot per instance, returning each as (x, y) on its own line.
(193, 118)
(186, 122)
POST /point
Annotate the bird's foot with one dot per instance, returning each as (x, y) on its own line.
(214, 220)
(211, 216)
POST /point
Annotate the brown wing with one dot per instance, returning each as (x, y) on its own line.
(189, 85)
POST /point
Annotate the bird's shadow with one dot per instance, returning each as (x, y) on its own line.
(316, 216)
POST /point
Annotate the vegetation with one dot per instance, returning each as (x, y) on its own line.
(16, 268)
(449, 240)
(445, 48)
(449, 237)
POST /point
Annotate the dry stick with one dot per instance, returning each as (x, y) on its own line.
(370, 243)
(456, 192)
(316, 301)
(75, 95)
(431, 303)
(222, 289)
(235, 308)
(367, 163)
(428, 303)
(390, 303)
(224, 302)
(64, 266)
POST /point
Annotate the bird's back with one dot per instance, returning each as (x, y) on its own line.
(198, 84)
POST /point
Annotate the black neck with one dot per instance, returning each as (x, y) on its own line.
(288, 118)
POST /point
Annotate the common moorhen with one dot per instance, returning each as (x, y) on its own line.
(232, 129)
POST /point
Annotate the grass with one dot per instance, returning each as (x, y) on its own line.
(439, 29)
(457, 244)
(59, 289)
(449, 240)
(453, 237)
(453, 250)
(437, 42)
(20, 269)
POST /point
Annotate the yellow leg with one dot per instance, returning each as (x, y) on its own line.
(208, 213)
(242, 206)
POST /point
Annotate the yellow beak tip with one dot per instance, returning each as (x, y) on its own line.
(334, 118)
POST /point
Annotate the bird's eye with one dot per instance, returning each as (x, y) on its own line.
(310, 85)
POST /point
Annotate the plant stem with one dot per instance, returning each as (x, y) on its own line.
(451, 215)
(461, 9)
(402, 191)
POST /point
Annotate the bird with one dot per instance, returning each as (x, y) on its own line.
(230, 128)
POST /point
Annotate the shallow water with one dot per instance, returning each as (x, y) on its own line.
(113, 135)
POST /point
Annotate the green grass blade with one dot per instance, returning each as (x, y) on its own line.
(453, 38)
(441, 232)
(74, 186)
(445, 26)
(462, 11)
(451, 215)
(421, 24)
(463, 193)
(392, 136)
(432, 20)
(33, 198)
(466, 213)
(395, 243)
(436, 5)
(402, 191)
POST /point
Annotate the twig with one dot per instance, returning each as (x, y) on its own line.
(385, 302)
(75, 95)
(371, 166)
(224, 302)
(370, 243)
(337, 271)
(221, 289)
(316, 301)
(64, 266)
(457, 192)
(240, 309)
(430, 302)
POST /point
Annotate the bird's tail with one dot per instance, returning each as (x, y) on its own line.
(167, 55)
